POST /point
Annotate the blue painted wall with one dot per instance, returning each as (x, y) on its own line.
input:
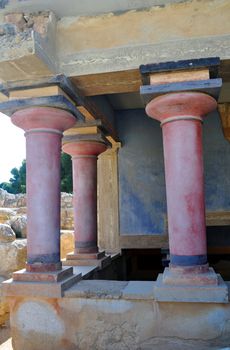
(141, 172)
(217, 165)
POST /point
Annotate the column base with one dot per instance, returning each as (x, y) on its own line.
(87, 259)
(43, 267)
(207, 287)
(40, 284)
(199, 276)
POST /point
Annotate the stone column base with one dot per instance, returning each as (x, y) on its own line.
(36, 284)
(87, 259)
(191, 289)
(180, 276)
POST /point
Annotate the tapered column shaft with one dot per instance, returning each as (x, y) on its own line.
(43, 130)
(84, 155)
(85, 203)
(181, 117)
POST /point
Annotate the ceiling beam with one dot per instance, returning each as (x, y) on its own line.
(124, 81)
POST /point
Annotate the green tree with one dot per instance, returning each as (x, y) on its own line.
(17, 183)
(66, 173)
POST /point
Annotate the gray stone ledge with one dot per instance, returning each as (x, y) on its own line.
(139, 290)
(99, 289)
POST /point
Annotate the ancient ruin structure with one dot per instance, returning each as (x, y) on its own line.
(95, 79)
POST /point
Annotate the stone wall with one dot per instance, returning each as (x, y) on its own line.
(12, 205)
(115, 315)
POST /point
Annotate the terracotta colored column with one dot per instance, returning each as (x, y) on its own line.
(43, 130)
(181, 116)
(84, 157)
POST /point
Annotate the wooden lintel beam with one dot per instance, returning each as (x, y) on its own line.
(211, 63)
(70, 90)
(224, 111)
(3, 93)
(126, 81)
(109, 82)
(210, 86)
(179, 76)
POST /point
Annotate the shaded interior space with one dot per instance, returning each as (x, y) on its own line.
(218, 241)
(146, 264)
(142, 264)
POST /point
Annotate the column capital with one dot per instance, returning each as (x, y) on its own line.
(84, 148)
(43, 119)
(180, 105)
(85, 145)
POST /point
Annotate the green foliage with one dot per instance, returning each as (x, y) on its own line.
(17, 183)
(66, 173)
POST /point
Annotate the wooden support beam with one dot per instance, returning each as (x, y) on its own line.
(224, 111)
(85, 128)
(187, 75)
(88, 130)
(85, 105)
(211, 64)
(143, 241)
(218, 218)
(57, 101)
(52, 90)
(108, 83)
(86, 113)
(3, 97)
(179, 76)
(125, 81)
(210, 86)
(108, 202)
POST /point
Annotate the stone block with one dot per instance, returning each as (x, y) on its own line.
(67, 242)
(85, 271)
(19, 225)
(6, 234)
(17, 19)
(42, 289)
(97, 288)
(101, 263)
(56, 276)
(12, 256)
(139, 290)
(34, 53)
(191, 293)
(190, 278)
(6, 214)
(67, 221)
(4, 306)
(86, 256)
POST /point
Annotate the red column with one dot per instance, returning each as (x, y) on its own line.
(43, 130)
(181, 116)
(84, 157)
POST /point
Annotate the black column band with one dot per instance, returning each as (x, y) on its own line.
(188, 260)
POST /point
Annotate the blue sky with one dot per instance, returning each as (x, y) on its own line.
(12, 147)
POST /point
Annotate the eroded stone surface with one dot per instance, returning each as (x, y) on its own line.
(139, 290)
(4, 306)
(19, 225)
(9, 200)
(12, 256)
(6, 214)
(67, 243)
(6, 234)
(97, 288)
